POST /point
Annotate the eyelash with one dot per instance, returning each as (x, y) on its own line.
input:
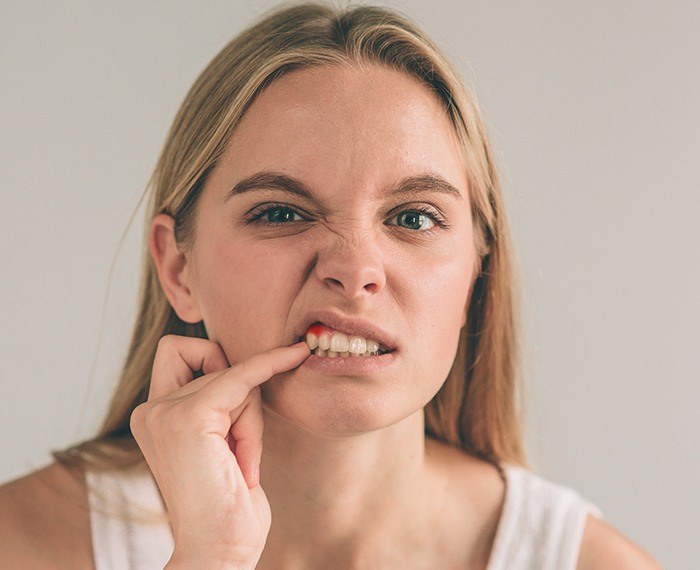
(434, 216)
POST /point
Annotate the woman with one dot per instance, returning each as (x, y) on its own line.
(327, 186)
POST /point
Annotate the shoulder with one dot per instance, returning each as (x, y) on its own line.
(603, 546)
(44, 520)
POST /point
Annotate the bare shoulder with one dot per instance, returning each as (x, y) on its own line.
(44, 520)
(603, 546)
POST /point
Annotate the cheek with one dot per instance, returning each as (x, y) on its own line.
(443, 285)
(241, 289)
(440, 295)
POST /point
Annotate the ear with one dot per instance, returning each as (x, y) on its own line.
(173, 268)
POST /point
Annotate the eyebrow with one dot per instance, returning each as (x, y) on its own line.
(267, 180)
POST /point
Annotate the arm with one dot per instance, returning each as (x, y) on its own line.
(44, 521)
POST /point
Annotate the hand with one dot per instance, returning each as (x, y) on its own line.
(202, 439)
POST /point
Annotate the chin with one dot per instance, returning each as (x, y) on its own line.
(336, 407)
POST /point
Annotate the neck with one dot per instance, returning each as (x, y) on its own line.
(342, 497)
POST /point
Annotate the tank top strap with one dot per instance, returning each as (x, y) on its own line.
(130, 529)
(541, 524)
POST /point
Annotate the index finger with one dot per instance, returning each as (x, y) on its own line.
(176, 359)
(226, 391)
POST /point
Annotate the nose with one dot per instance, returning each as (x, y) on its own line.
(351, 266)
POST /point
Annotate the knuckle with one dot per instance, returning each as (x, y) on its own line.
(187, 419)
(137, 418)
(156, 410)
(149, 416)
(166, 341)
(218, 352)
(174, 414)
(245, 369)
(137, 414)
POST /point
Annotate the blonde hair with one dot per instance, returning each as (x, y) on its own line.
(476, 409)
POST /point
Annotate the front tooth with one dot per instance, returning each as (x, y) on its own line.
(324, 341)
(332, 354)
(357, 345)
(312, 341)
(339, 342)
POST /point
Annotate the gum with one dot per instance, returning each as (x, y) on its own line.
(318, 329)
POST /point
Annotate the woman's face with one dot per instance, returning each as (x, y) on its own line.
(356, 248)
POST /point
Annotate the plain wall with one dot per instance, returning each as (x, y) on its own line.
(593, 112)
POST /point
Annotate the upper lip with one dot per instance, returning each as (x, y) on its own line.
(348, 325)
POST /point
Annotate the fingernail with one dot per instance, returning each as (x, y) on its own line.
(256, 476)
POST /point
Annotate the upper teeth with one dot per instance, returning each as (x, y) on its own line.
(340, 342)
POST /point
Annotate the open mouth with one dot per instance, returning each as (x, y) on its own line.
(325, 342)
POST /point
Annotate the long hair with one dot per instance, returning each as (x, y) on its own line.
(477, 408)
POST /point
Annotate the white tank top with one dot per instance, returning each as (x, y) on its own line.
(541, 523)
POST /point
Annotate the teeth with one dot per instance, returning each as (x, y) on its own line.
(358, 345)
(333, 354)
(318, 351)
(339, 344)
(324, 341)
(311, 340)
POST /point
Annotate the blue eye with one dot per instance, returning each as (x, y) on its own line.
(279, 215)
(417, 215)
(287, 215)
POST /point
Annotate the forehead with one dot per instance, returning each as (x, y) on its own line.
(346, 125)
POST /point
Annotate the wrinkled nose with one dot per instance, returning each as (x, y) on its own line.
(352, 266)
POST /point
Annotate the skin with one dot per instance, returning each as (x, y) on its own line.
(350, 477)
(350, 449)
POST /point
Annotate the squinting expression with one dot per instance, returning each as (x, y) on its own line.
(263, 257)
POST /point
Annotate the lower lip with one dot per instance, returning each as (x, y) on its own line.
(349, 365)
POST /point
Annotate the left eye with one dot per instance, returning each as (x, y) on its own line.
(416, 217)
(280, 215)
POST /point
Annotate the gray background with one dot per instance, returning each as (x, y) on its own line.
(592, 108)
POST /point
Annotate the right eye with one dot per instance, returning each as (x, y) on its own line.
(281, 215)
